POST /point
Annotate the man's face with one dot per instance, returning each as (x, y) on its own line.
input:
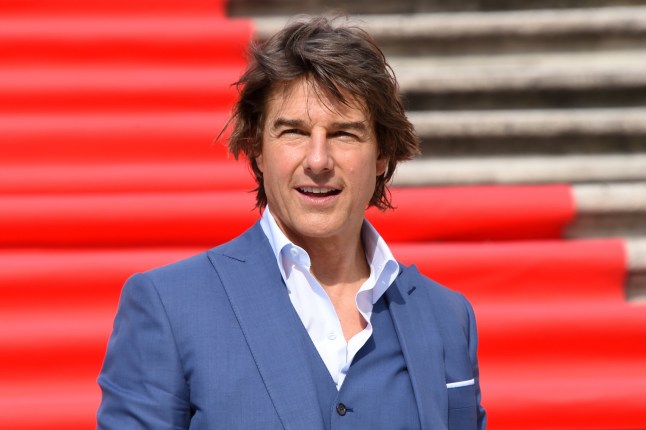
(320, 164)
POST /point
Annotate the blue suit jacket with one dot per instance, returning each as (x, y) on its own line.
(213, 342)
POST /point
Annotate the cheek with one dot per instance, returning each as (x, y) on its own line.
(277, 167)
(268, 161)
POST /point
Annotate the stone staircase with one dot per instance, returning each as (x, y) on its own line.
(502, 92)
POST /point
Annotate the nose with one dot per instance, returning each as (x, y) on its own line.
(318, 158)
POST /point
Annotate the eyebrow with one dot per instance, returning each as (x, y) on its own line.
(284, 122)
(355, 125)
(352, 125)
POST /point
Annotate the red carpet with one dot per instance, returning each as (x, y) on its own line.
(208, 218)
(94, 95)
(476, 213)
(108, 166)
(117, 7)
(552, 320)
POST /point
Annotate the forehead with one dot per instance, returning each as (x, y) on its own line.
(305, 99)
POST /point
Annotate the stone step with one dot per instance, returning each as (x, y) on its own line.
(562, 131)
(520, 31)
(636, 254)
(609, 210)
(636, 281)
(549, 80)
(522, 169)
(601, 199)
(272, 7)
(536, 123)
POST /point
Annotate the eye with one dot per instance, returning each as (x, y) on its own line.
(292, 131)
(344, 134)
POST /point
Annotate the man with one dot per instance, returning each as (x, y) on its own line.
(306, 321)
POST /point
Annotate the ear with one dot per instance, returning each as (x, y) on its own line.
(259, 162)
(382, 165)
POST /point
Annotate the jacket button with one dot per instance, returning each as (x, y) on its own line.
(341, 409)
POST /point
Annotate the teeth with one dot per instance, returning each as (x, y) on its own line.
(316, 190)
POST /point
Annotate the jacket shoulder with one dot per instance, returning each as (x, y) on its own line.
(451, 305)
(199, 265)
(414, 277)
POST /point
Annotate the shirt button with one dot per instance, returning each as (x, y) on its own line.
(294, 252)
(331, 335)
(341, 409)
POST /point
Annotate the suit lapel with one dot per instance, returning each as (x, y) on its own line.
(249, 273)
(421, 342)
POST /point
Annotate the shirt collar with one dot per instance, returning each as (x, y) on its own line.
(383, 266)
(287, 253)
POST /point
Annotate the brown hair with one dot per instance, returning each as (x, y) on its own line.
(337, 59)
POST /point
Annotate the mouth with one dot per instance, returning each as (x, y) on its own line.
(318, 191)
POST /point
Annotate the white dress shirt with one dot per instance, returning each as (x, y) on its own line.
(312, 303)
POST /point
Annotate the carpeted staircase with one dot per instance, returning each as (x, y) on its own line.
(108, 114)
(530, 196)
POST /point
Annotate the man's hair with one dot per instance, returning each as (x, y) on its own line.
(339, 60)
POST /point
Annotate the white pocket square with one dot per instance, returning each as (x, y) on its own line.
(460, 383)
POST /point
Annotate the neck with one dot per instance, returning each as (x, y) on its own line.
(337, 264)
(340, 267)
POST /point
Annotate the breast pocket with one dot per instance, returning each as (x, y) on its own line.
(460, 382)
(461, 389)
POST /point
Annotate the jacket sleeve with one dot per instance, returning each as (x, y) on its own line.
(473, 355)
(142, 380)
